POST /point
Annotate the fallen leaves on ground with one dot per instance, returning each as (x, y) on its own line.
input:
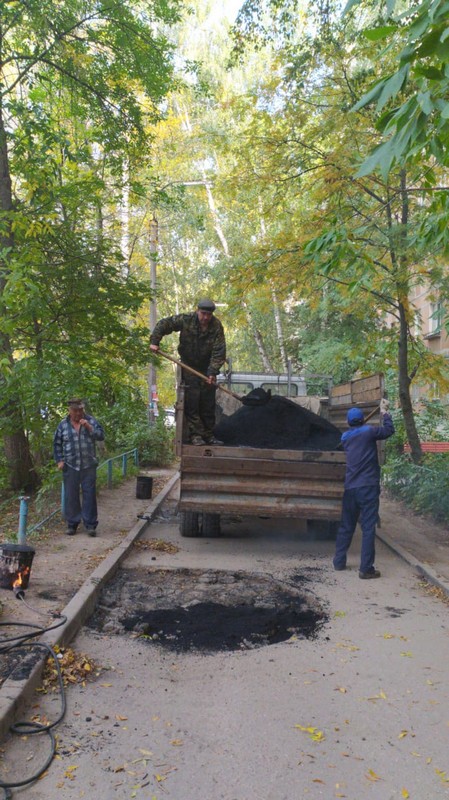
(75, 668)
(314, 733)
(435, 591)
(372, 776)
(380, 696)
(157, 544)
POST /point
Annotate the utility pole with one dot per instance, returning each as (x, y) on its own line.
(152, 386)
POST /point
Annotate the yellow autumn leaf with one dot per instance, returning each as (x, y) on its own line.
(315, 734)
(380, 696)
(340, 614)
(106, 685)
(160, 778)
(120, 718)
(372, 776)
(388, 636)
(176, 742)
(145, 752)
(341, 689)
(402, 734)
(405, 793)
(407, 654)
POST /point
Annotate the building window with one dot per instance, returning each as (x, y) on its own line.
(435, 317)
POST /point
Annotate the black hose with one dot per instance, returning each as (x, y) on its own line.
(30, 728)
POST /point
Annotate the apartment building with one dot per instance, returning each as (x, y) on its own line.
(430, 317)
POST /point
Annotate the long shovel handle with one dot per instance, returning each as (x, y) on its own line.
(195, 372)
(371, 414)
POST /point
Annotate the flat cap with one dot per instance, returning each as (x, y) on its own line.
(206, 305)
(76, 402)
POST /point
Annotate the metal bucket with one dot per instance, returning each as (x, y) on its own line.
(144, 487)
(15, 564)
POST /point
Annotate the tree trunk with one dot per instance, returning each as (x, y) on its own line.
(404, 389)
(267, 366)
(276, 312)
(224, 244)
(16, 447)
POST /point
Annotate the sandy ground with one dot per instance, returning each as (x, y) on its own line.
(62, 563)
(358, 712)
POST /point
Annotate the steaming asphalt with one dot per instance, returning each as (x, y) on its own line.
(361, 711)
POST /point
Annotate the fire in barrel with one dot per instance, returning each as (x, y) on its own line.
(15, 566)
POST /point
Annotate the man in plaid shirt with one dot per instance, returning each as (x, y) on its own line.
(75, 454)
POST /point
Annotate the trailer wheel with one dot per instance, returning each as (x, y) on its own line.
(189, 525)
(211, 525)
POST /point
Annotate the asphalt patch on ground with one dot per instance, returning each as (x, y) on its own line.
(17, 663)
(206, 610)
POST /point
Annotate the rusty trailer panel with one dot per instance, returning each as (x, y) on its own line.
(362, 392)
(306, 485)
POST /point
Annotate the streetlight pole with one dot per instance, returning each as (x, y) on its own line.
(152, 386)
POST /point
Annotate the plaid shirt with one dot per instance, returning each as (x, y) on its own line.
(77, 450)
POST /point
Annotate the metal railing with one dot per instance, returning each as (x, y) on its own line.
(23, 510)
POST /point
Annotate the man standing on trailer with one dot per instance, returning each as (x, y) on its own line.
(202, 346)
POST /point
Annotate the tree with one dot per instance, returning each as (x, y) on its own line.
(79, 80)
(411, 99)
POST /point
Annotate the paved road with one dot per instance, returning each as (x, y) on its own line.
(361, 711)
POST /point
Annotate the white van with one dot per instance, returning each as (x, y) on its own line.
(279, 383)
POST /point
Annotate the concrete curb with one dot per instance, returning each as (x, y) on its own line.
(14, 694)
(423, 570)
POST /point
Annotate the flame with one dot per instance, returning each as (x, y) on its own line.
(21, 575)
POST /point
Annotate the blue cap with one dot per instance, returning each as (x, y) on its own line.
(355, 416)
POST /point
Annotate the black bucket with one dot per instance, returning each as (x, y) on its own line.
(15, 564)
(144, 487)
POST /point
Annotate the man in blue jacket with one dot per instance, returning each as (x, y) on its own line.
(362, 488)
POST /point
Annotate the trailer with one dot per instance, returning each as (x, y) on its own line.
(218, 480)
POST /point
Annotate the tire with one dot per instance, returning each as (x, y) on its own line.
(189, 525)
(211, 525)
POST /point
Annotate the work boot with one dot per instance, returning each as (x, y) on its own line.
(71, 530)
(197, 440)
(91, 531)
(373, 573)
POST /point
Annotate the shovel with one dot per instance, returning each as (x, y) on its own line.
(247, 401)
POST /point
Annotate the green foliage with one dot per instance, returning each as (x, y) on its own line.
(424, 487)
(414, 95)
(81, 86)
(155, 442)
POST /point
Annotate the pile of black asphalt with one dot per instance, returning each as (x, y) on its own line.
(280, 424)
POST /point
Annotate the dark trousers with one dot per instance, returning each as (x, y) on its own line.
(358, 503)
(199, 407)
(75, 509)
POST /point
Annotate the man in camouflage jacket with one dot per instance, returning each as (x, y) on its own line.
(202, 345)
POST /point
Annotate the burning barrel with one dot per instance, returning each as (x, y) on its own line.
(15, 565)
